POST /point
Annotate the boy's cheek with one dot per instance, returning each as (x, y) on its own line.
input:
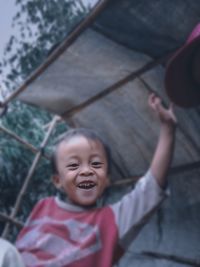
(108, 182)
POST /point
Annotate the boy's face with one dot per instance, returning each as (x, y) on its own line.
(82, 170)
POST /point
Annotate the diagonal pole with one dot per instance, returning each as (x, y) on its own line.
(29, 176)
(20, 140)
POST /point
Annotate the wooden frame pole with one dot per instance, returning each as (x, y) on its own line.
(29, 176)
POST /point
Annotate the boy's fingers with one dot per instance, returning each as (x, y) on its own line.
(157, 104)
(154, 101)
(150, 99)
(164, 112)
(171, 108)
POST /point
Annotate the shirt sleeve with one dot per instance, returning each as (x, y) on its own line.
(9, 256)
(135, 208)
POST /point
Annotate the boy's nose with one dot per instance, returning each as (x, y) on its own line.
(86, 170)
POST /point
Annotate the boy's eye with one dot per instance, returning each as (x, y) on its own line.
(97, 164)
(72, 166)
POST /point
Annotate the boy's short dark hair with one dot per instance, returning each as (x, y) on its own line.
(88, 134)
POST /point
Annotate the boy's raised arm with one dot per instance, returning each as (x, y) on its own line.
(165, 146)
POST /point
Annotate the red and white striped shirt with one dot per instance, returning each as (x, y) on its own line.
(59, 234)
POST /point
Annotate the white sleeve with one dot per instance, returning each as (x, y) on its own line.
(9, 256)
(135, 208)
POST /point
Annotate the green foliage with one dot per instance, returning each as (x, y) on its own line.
(43, 25)
(15, 159)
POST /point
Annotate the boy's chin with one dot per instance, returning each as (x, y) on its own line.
(86, 197)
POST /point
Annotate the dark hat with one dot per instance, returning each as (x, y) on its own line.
(182, 78)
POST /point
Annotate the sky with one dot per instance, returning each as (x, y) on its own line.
(7, 11)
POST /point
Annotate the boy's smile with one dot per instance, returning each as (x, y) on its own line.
(82, 170)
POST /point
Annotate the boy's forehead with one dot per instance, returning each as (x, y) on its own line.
(76, 142)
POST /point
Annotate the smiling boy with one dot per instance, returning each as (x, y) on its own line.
(82, 169)
(74, 232)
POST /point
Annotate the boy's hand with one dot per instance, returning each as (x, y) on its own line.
(166, 115)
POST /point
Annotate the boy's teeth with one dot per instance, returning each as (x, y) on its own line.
(86, 185)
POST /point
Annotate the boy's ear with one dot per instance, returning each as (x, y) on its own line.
(56, 181)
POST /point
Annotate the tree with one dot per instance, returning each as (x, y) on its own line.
(43, 25)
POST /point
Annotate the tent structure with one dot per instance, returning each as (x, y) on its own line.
(100, 77)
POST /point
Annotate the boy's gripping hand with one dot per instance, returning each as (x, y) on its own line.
(166, 115)
(165, 146)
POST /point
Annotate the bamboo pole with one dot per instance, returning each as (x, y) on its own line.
(20, 140)
(125, 181)
(133, 75)
(46, 126)
(173, 170)
(4, 217)
(29, 176)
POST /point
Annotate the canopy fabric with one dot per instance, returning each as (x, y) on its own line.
(153, 27)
